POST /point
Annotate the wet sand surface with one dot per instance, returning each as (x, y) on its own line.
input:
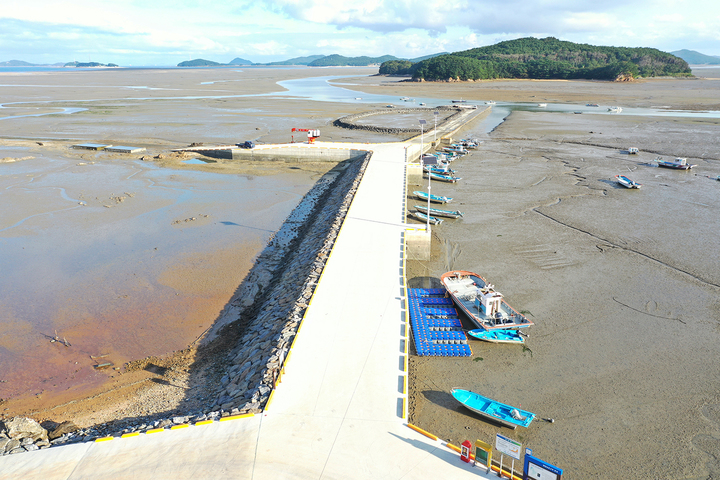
(622, 284)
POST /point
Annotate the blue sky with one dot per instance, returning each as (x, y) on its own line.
(166, 32)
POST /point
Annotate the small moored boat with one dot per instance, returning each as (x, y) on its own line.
(626, 182)
(458, 150)
(479, 300)
(433, 198)
(438, 212)
(497, 336)
(506, 415)
(614, 109)
(424, 218)
(677, 164)
(441, 168)
(440, 177)
(591, 105)
(542, 105)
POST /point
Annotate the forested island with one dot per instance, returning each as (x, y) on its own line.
(546, 58)
(88, 64)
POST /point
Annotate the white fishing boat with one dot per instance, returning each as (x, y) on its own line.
(542, 105)
(480, 302)
(615, 109)
(677, 164)
(424, 218)
(439, 212)
(626, 182)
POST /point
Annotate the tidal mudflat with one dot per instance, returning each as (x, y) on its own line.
(622, 284)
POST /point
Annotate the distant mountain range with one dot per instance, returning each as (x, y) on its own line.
(334, 60)
(696, 58)
(20, 63)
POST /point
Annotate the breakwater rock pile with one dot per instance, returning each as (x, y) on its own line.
(20, 434)
(271, 302)
(350, 121)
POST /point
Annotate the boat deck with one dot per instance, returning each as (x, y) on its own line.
(465, 290)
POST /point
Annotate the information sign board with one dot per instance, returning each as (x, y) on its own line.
(508, 446)
(536, 469)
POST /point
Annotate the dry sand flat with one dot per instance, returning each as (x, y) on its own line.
(623, 286)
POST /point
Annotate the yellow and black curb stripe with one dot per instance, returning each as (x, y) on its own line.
(175, 427)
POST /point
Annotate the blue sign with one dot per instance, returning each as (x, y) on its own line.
(536, 469)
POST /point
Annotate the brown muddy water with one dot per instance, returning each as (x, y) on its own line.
(122, 259)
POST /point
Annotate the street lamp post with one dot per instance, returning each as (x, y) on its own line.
(422, 167)
(435, 114)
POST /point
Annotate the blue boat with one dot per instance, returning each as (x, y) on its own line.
(442, 169)
(498, 336)
(497, 412)
(438, 212)
(440, 177)
(433, 198)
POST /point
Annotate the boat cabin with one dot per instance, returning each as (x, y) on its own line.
(488, 300)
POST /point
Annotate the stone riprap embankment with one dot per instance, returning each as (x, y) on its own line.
(255, 331)
(350, 121)
(274, 297)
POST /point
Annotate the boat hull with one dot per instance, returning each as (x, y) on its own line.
(424, 218)
(462, 286)
(438, 212)
(442, 178)
(433, 198)
(493, 410)
(498, 336)
(675, 166)
(626, 182)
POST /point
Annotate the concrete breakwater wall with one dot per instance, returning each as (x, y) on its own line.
(289, 153)
(350, 121)
(271, 302)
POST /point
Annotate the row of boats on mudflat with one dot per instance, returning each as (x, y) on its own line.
(496, 321)
(436, 166)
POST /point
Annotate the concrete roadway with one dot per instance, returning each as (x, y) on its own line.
(339, 409)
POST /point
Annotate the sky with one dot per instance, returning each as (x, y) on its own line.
(166, 32)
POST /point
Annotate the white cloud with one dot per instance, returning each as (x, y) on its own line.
(36, 29)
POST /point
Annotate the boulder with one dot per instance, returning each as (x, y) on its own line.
(22, 427)
(62, 429)
(12, 445)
